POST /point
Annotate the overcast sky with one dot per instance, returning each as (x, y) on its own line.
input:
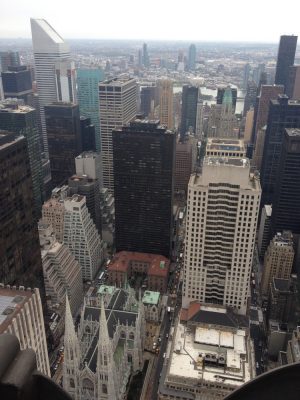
(192, 20)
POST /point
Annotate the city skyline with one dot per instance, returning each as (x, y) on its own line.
(203, 24)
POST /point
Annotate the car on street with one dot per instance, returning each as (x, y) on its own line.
(164, 356)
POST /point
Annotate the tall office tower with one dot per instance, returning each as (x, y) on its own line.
(249, 125)
(190, 96)
(65, 79)
(22, 121)
(259, 148)
(145, 56)
(17, 83)
(88, 97)
(48, 49)
(21, 314)
(118, 106)
(192, 58)
(278, 260)
(222, 211)
(267, 93)
(88, 134)
(264, 231)
(257, 73)
(82, 237)
(62, 273)
(199, 119)
(283, 113)
(53, 211)
(89, 188)
(250, 97)
(9, 59)
(223, 90)
(64, 139)
(285, 58)
(143, 171)
(286, 210)
(282, 300)
(20, 257)
(185, 162)
(293, 83)
(246, 75)
(148, 100)
(166, 116)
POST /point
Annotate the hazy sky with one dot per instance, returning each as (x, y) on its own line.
(193, 20)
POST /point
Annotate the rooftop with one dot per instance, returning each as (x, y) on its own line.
(235, 162)
(151, 297)
(12, 301)
(158, 265)
(293, 132)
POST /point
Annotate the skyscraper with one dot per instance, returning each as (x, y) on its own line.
(143, 173)
(21, 120)
(293, 84)
(62, 273)
(166, 116)
(222, 90)
(250, 97)
(20, 257)
(64, 139)
(285, 58)
(145, 56)
(222, 210)
(88, 97)
(48, 49)
(118, 106)
(192, 58)
(148, 99)
(190, 96)
(283, 113)
(246, 75)
(65, 79)
(82, 237)
(185, 162)
(9, 59)
(278, 260)
(286, 210)
(267, 93)
(87, 133)
(17, 83)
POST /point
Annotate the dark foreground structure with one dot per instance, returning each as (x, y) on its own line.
(19, 379)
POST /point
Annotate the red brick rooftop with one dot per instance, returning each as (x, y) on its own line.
(158, 265)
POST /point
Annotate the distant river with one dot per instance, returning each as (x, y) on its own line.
(213, 92)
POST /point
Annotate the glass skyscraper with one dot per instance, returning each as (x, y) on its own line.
(88, 97)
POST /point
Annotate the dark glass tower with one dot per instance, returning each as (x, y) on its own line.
(189, 109)
(286, 205)
(285, 58)
(21, 120)
(192, 58)
(250, 98)
(146, 60)
(17, 83)
(64, 140)
(87, 131)
(283, 113)
(20, 256)
(143, 154)
(147, 99)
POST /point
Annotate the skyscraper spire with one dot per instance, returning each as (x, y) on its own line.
(71, 352)
(105, 362)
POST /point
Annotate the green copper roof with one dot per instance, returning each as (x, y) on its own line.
(151, 297)
(104, 289)
(227, 98)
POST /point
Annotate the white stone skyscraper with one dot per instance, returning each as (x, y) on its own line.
(82, 237)
(51, 53)
(222, 210)
(118, 106)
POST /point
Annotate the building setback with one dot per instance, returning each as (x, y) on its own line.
(20, 257)
(222, 210)
(143, 173)
(64, 140)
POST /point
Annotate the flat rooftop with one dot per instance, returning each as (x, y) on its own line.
(235, 162)
(151, 297)
(11, 302)
(225, 145)
(210, 354)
